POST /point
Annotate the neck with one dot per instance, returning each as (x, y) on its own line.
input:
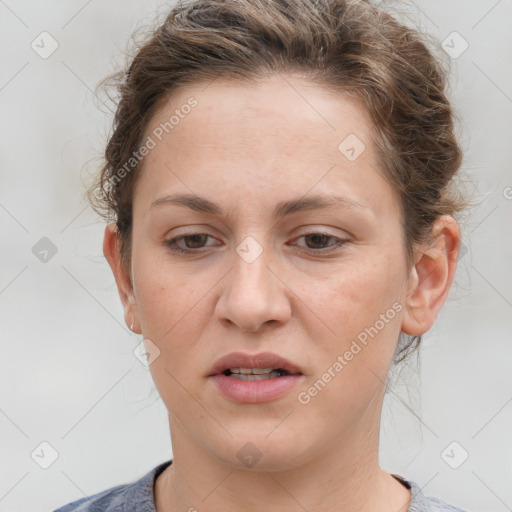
(346, 476)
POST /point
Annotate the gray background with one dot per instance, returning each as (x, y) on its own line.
(68, 376)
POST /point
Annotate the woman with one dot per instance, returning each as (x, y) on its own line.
(280, 180)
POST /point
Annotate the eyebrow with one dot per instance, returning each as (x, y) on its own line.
(282, 209)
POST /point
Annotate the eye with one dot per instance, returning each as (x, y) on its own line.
(192, 242)
(195, 241)
(321, 239)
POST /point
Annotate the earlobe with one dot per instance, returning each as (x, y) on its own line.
(431, 277)
(112, 252)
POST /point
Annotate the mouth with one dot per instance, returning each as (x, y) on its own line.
(262, 366)
(255, 378)
(256, 373)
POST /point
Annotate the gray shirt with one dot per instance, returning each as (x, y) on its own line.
(138, 497)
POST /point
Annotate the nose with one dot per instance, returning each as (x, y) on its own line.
(254, 295)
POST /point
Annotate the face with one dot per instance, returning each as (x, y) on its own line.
(267, 267)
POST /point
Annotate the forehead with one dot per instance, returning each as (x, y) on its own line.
(259, 110)
(280, 133)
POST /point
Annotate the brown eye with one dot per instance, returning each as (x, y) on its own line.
(192, 242)
(317, 239)
(318, 242)
(196, 241)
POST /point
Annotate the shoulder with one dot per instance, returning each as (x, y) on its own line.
(111, 500)
(422, 503)
(136, 496)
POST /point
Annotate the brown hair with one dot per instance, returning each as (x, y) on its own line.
(348, 45)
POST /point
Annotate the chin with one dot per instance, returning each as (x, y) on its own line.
(263, 449)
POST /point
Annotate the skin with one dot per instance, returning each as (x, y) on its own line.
(248, 147)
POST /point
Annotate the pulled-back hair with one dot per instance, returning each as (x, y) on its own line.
(347, 45)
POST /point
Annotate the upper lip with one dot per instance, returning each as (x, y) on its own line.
(261, 360)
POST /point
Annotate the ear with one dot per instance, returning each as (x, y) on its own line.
(431, 276)
(112, 252)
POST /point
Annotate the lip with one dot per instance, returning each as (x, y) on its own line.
(261, 360)
(255, 391)
(258, 391)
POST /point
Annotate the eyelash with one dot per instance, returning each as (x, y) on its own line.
(172, 243)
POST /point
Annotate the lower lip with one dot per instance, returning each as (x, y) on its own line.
(255, 391)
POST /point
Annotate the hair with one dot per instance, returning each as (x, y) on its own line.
(349, 46)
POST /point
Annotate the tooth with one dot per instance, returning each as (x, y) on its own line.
(251, 377)
(252, 371)
(260, 371)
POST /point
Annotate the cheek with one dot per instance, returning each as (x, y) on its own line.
(166, 295)
(173, 306)
(354, 294)
(360, 304)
